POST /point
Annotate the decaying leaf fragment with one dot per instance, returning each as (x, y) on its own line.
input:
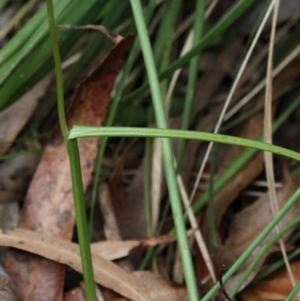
(14, 118)
(124, 210)
(161, 289)
(115, 249)
(251, 129)
(106, 273)
(48, 206)
(250, 222)
(277, 287)
(15, 175)
(75, 294)
(7, 290)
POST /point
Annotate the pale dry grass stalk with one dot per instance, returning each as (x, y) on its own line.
(198, 235)
(232, 90)
(184, 196)
(262, 84)
(156, 182)
(268, 139)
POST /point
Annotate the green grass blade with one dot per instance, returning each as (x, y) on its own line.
(72, 147)
(59, 76)
(85, 131)
(167, 151)
(295, 291)
(290, 203)
(39, 61)
(25, 40)
(81, 221)
(268, 270)
(113, 109)
(265, 248)
(242, 160)
(192, 76)
(233, 15)
(166, 29)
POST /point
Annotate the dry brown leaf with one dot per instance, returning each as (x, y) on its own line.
(7, 290)
(11, 189)
(115, 249)
(162, 239)
(14, 118)
(234, 280)
(111, 229)
(279, 286)
(250, 295)
(251, 129)
(160, 289)
(135, 199)
(126, 212)
(15, 175)
(249, 222)
(106, 273)
(75, 294)
(48, 206)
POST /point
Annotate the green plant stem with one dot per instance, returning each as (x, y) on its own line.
(37, 63)
(294, 292)
(192, 76)
(215, 138)
(87, 131)
(265, 248)
(72, 147)
(58, 70)
(236, 12)
(112, 113)
(254, 245)
(274, 266)
(166, 29)
(167, 152)
(81, 221)
(242, 160)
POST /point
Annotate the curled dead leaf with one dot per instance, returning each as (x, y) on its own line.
(278, 286)
(106, 273)
(248, 223)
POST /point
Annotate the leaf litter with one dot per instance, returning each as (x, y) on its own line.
(106, 273)
(50, 210)
(48, 215)
(250, 221)
(277, 286)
